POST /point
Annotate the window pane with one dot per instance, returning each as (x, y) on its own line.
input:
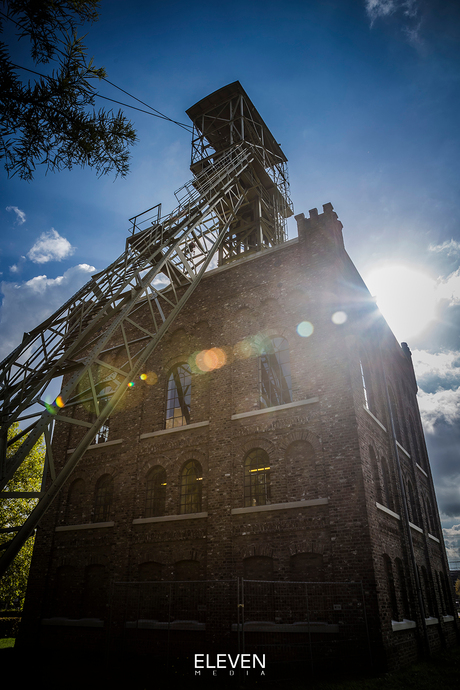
(155, 492)
(178, 396)
(257, 478)
(275, 374)
(190, 494)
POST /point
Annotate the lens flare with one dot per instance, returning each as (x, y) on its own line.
(131, 384)
(143, 377)
(208, 360)
(339, 317)
(51, 409)
(305, 329)
(60, 402)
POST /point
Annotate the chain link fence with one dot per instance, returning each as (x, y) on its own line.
(306, 623)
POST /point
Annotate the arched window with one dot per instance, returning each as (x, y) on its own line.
(403, 588)
(394, 413)
(74, 511)
(150, 571)
(67, 593)
(256, 478)
(375, 475)
(258, 568)
(391, 587)
(413, 507)
(178, 397)
(387, 486)
(103, 497)
(95, 591)
(190, 487)
(306, 567)
(102, 435)
(428, 593)
(155, 495)
(275, 373)
(187, 570)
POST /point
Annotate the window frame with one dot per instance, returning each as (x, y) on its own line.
(155, 492)
(178, 390)
(257, 480)
(274, 364)
(191, 493)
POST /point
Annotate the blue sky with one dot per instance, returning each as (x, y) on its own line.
(363, 96)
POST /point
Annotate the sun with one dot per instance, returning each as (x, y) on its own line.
(406, 297)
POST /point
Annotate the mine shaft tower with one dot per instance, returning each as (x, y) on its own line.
(237, 203)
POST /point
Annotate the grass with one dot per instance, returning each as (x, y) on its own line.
(6, 642)
(440, 672)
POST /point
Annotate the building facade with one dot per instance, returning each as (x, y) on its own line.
(273, 440)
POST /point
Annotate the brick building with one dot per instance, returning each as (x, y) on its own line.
(274, 437)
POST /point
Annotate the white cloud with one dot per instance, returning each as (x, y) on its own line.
(20, 215)
(449, 288)
(27, 304)
(14, 268)
(439, 372)
(50, 246)
(443, 365)
(451, 248)
(383, 8)
(441, 406)
(452, 541)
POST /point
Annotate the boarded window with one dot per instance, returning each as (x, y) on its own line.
(258, 568)
(307, 567)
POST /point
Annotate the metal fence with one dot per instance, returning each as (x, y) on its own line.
(290, 622)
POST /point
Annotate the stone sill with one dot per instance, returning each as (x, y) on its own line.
(417, 529)
(301, 627)
(388, 511)
(90, 525)
(99, 445)
(169, 518)
(431, 621)
(374, 418)
(430, 536)
(403, 625)
(281, 506)
(74, 622)
(403, 449)
(186, 427)
(276, 408)
(448, 619)
(421, 469)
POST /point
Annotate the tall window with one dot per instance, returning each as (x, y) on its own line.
(391, 587)
(366, 382)
(103, 434)
(190, 488)
(257, 478)
(155, 498)
(103, 497)
(275, 374)
(178, 396)
(394, 413)
(74, 511)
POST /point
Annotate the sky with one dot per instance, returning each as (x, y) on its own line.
(363, 96)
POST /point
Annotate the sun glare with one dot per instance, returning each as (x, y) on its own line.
(405, 296)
